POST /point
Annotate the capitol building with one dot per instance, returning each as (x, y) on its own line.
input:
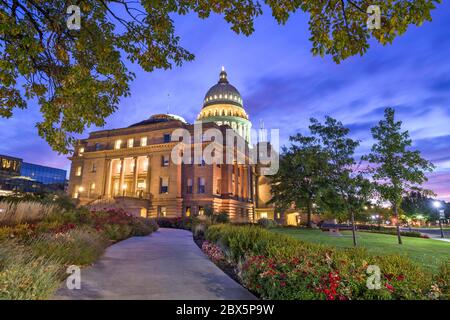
(132, 168)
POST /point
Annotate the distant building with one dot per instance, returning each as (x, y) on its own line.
(16, 175)
(43, 174)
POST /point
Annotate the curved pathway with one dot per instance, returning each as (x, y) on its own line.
(165, 265)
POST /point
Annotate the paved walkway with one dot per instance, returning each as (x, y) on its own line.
(165, 265)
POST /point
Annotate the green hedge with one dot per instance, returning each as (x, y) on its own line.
(280, 267)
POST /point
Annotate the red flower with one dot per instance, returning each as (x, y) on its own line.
(389, 287)
(400, 277)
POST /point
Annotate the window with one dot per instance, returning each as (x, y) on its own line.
(94, 167)
(92, 187)
(189, 185)
(201, 185)
(188, 212)
(162, 211)
(166, 137)
(164, 185)
(78, 171)
(130, 143)
(98, 146)
(263, 215)
(146, 165)
(201, 211)
(165, 161)
(143, 141)
(117, 144)
(81, 151)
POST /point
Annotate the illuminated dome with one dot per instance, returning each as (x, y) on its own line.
(223, 105)
(223, 92)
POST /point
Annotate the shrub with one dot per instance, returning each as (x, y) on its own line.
(199, 230)
(441, 283)
(177, 222)
(267, 223)
(222, 217)
(15, 212)
(80, 246)
(117, 232)
(17, 231)
(391, 231)
(24, 276)
(143, 226)
(280, 267)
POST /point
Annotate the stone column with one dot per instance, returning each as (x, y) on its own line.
(135, 176)
(250, 184)
(236, 180)
(245, 182)
(107, 185)
(149, 174)
(122, 175)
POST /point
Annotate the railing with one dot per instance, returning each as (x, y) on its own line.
(140, 194)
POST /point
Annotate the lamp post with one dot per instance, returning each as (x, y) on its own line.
(437, 205)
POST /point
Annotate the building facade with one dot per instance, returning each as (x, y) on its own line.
(134, 167)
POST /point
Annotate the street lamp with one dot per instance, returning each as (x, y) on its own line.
(437, 205)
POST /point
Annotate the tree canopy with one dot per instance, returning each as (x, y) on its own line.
(78, 76)
(299, 179)
(396, 169)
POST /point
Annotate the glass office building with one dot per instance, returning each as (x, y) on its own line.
(43, 174)
(16, 175)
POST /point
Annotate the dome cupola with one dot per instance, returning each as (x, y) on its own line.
(223, 105)
(222, 93)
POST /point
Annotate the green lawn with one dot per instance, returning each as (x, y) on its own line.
(427, 252)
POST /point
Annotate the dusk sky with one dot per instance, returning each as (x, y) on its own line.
(284, 85)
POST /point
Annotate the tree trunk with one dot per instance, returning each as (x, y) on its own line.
(352, 215)
(397, 224)
(308, 215)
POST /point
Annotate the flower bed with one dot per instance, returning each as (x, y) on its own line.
(35, 253)
(279, 267)
(213, 252)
